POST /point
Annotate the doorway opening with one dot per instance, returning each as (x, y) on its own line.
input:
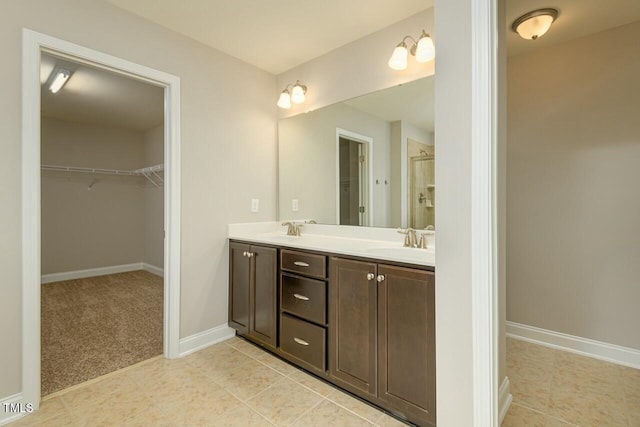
(102, 221)
(354, 172)
(34, 46)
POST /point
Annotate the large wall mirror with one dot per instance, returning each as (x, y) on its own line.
(367, 161)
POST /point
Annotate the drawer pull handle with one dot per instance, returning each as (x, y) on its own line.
(301, 264)
(300, 341)
(302, 297)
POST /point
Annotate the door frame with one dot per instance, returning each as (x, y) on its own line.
(368, 141)
(33, 44)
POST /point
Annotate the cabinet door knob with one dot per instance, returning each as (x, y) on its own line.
(371, 276)
(301, 297)
(244, 253)
(250, 254)
(300, 341)
(380, 278)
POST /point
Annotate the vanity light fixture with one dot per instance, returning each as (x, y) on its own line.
(297, 95)
(423, 49)
(534, 24)
(58, 79)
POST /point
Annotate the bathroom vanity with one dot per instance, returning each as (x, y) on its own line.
(353, 307)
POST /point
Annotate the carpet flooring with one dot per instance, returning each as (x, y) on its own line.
(97, 325)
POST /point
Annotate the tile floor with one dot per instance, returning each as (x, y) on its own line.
(229, 384)
(556, 388)
(237, 384)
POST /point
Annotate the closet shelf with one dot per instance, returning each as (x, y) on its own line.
(151, 172)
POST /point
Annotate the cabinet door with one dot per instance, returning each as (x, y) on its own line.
(264, 294)
(239, 289)
(352, 325)
(406, 342)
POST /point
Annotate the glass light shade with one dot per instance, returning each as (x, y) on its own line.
(398, 60)
(535, 26)
(285, 100)
(297, 94)
(425, 51)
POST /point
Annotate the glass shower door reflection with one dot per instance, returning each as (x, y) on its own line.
(421, 192)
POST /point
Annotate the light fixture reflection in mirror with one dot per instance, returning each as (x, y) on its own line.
(423, 49)
(310, 181)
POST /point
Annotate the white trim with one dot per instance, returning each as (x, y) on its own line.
(33, 43)
(91, 272)
(8, 417)
(100, 271)
(484, 271)
(366, 140)
(204, 339)
(587, 347)
(152, 269)
(504, 398)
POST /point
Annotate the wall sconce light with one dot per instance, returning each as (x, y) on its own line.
(423, 50)
(297, 95)
(58, 79)
(534, 24)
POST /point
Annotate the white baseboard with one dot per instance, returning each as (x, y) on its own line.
(100, 271)
(6, 416)
(584, 346)
(504, 399)
(204, 339)
(153, 269)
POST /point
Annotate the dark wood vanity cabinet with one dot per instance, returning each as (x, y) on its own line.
(406, 342)
(303, 309)
(352, 325)
(382, 335)
(366, 326)
(253, 290)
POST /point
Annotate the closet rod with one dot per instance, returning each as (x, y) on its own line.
(150, 172)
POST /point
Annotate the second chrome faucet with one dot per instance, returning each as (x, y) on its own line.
(412, 240)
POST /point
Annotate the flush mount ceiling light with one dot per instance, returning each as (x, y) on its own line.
(297, 95)
(534, 24)
(423, 49)
(58, 79)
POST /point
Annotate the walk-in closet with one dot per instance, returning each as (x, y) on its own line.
(102, 221)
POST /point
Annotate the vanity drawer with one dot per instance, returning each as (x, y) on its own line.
(306, 298)
(300, 262)
(304, 341)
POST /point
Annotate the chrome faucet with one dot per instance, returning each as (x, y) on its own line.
(410, 239)
(293, 229)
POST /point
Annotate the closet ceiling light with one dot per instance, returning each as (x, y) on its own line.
(297, 95)
(58, 79)
(424, 50)
(534, 24)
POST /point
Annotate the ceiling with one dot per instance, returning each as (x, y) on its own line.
(94, 95)
(577, 18)
(274, 35)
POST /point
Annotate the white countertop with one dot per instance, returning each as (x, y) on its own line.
(366, 242)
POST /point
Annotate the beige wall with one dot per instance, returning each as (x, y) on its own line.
(86, 228)
(154, 201)
(307, 162)
(573, 201)
(228, 130)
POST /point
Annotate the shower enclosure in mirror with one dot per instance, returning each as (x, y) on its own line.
(364, 161)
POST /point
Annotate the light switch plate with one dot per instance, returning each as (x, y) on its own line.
(294, 205)
(255, 205)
